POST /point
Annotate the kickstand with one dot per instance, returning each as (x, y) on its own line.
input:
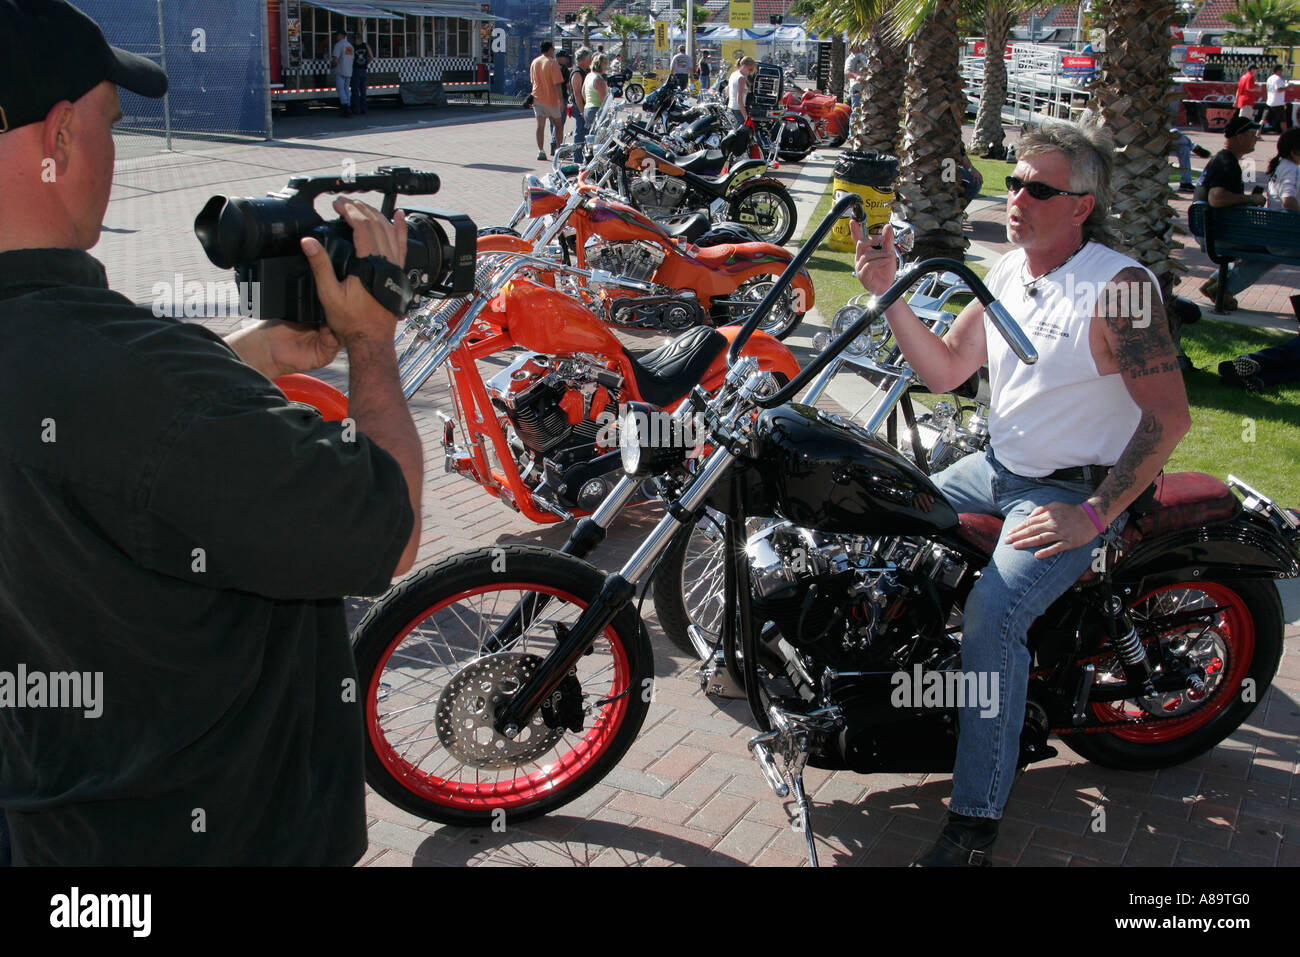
(804, 808)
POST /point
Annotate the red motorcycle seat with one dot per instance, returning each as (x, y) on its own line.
(669, 372)
(1182, 500)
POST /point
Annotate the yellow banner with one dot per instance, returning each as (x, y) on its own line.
(661, 34)
(741, 14)
(731, 47)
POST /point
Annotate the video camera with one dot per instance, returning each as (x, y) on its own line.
(258, 238)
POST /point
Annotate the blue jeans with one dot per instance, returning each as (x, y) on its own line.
(1015, 589)
(1184, 147)
(580, 126)
(1244, 273)
(970, 187)
(359, 89)
(737, 117)
(345, 86)
(1278, 364)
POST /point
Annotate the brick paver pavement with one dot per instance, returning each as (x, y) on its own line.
(687, 793)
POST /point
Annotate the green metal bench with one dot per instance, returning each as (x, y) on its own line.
(1230, 233)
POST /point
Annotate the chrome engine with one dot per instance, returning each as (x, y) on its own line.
(846, 599)
(559, 416)
(634, 259)
(657, 195)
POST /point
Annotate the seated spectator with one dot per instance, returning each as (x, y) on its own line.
(1221, 186)
(971, 178)
(1257, 371)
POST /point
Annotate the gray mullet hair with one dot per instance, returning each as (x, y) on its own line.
(1090, 151)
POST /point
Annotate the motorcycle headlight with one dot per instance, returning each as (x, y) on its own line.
(650, 441)
(846, 317)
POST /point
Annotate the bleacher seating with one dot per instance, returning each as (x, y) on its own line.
(1210, 16)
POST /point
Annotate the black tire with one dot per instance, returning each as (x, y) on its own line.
(456, 787)
(767, 209)
(690, 569)
(780, 323)
(634, 93)
(1256, 615)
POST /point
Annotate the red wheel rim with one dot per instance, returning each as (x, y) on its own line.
(1236, 629)
(525, 788)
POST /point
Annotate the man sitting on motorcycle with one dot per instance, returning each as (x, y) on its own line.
(1074, 439)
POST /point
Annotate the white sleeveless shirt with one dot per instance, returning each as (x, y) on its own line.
(1060, 412)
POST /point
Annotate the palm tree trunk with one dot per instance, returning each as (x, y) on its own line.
(877, 123)
(837, 65)
(929, 189)
(987, 139)
(1133, 96)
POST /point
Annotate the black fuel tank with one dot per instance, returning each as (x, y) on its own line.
(824, 473)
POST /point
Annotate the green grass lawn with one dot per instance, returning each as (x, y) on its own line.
(1255, 437)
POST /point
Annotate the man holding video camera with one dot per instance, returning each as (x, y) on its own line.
(173, 533)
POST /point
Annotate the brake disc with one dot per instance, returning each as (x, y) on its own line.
(468, 707)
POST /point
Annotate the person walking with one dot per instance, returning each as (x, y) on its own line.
(341, 60)
(1245, 101)
(855, 75)
(548, 95)
(577, 81)
(1276, 100)
(361, 57)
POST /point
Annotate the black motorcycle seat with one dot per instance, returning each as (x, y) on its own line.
(671, 371)
(689, 229)
(1182, 500)
(711, 160)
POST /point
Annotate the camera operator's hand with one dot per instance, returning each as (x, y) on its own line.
(275, 348)
(875, 263)
(350, 310)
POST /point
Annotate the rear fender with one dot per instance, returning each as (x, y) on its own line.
(1242, 547)
(772, 356)
(324, 398)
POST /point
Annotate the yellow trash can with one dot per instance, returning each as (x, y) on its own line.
(871, 176)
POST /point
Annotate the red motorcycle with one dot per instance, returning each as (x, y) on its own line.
(829, 117)
(660, 278)
(541, 434)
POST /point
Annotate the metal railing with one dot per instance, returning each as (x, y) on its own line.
(1036, 84)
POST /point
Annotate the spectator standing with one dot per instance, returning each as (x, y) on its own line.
(738, 89)
(705, 70)
(855, 74)
(681, 68)
(548, 95)
(1246, 95)
(341, 60)
(577, 82)
(361, 58)
(1278, 115)
(565, 60)
(595, 89)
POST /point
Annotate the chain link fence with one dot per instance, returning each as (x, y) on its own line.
(215, 54)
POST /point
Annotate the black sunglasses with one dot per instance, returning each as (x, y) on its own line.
(1037, 190)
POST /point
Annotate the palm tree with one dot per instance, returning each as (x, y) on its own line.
(587, 21)
(1267, 23)
(999, 18)
(1132, 96)
(701, 13)
(627, 28)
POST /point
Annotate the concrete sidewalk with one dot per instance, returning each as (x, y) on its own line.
(687, 792)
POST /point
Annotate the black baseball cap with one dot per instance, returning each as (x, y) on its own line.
(51, 52)
(1238, 124)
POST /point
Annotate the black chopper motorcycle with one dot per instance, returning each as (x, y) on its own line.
(508, 681)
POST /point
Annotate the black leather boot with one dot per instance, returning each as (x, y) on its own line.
(965, 842)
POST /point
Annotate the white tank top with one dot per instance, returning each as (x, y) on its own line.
(733, 91)
(1060, 412)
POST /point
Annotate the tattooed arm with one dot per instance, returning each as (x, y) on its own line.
(1142, 352)
(1136, 345)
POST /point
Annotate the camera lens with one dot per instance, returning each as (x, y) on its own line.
(242, 230)
(427, 251)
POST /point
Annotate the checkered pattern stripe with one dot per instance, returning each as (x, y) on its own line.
(409, 69)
